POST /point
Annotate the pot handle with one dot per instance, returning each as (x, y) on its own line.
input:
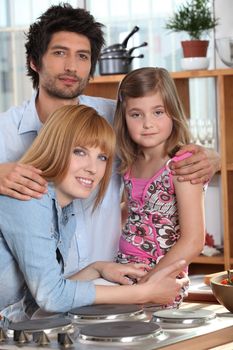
(125, 41)
(136, 47)
(139, 56)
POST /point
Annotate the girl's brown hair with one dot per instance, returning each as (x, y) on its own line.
(67, 128)
(139, 83)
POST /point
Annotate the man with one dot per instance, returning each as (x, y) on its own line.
(62, 50)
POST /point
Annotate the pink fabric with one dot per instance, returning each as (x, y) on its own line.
(152, 227)
(139, 186)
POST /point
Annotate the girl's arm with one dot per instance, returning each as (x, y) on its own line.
(113, 272)
(190, 202)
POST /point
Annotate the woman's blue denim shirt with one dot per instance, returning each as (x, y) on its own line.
(34, 240)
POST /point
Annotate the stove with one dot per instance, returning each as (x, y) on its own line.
(110, 327)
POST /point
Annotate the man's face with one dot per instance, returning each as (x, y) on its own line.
(66, 65)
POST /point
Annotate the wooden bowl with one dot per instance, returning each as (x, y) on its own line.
(222, 292)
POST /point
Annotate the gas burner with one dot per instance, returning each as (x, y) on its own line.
(120, 332)
(106, 313)
(171, 318)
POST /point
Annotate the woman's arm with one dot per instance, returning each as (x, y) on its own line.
(198, 168)
(161, 288)
(31, 235)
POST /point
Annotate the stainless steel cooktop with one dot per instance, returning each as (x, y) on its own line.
(137, 329)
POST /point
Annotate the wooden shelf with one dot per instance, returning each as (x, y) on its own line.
(106, 86)
(215, 260)
(100, 79)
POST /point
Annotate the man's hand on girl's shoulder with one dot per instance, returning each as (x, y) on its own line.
(199, 167)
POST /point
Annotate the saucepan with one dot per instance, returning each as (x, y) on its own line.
(116, 59)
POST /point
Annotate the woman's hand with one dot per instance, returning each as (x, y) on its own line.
(121, 273)
(198, 168)
(161, 288)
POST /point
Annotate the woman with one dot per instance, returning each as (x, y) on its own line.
(74, 151)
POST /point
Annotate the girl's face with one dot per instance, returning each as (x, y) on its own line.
(87, 168)
(148, 123)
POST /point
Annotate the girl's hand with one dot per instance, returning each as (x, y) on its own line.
(198, 168)
(121, 273)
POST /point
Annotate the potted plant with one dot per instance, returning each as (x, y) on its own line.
(195, 18)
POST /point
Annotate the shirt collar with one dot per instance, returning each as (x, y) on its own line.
(30, 120)
(68, 210)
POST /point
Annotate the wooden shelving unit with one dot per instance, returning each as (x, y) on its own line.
(106, 86)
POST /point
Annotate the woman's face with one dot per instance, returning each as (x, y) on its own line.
(87, 168)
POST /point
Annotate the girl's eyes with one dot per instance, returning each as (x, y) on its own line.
(135, 115)
(159, 113)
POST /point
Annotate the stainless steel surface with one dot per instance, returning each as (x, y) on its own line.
(182, 318)
(120, 332)
(106, 313)
(165, 337)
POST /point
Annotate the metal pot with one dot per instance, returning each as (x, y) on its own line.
(116, 64)
(116, 59)
(123, 45)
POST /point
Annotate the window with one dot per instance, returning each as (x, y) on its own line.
(119, 18)
(15, 17)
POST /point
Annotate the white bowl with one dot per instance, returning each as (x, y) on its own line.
(193, 63)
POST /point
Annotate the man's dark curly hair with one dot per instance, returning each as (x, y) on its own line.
(62, 17)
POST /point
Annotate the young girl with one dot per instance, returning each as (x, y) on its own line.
(74, 150)
(163, 219)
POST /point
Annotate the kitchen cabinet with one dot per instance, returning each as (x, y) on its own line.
(106, 86)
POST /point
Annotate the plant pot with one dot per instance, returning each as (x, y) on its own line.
(195, 48)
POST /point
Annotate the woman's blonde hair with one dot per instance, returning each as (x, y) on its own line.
(139, 83)
(67, 128)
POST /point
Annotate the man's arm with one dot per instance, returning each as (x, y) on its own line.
(21, 181)
(198, 168)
